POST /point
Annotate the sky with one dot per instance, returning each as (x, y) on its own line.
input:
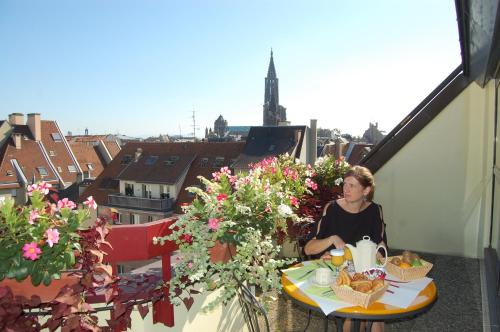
(141, 68)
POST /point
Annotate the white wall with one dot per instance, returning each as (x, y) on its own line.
(155, 188)
(223, 319)
(436, 191)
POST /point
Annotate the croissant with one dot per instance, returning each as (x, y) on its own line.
(363, 286)
(377, 284)
(343, 278)
(359, 276)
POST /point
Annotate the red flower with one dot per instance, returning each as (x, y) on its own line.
(187, 238)
(221, 197)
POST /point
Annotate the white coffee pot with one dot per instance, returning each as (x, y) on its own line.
(364, 254)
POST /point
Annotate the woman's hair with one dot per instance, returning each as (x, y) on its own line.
(364, 177)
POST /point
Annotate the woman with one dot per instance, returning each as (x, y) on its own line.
(348, 219)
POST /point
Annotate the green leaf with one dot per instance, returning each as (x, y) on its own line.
(36, 277)
(77, 246)
(70, 258)
(20, 273)
(47, 279)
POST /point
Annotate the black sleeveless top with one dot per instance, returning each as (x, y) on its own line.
(351, 227)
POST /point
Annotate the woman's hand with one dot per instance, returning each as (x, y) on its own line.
(337, 242)
(326, 256)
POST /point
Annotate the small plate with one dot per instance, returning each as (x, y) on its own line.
(312, 280)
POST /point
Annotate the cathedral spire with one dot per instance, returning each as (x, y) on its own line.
(271, 71)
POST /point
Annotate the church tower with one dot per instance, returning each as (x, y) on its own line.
(274, 113)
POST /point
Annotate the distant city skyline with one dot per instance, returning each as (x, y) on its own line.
(140, 68)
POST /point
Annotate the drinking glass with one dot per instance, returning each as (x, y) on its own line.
(348, 258)
(337, 258)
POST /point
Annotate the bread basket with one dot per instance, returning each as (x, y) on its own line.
(348, 294)
(408, 274)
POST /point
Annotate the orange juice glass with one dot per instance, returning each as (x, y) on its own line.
(347, 254)
(337, 257)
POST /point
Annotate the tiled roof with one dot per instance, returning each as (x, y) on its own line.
(359, 151)
(29, 157)
(87, 154)
(271, 141)
(61, 156)
(113, 147)
(145, 170)
(86, 138)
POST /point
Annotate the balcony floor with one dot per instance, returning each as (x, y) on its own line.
(458, 307)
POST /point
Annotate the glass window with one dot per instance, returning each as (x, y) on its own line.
(52, 153)
(90, 166)
(150, 160)
(56, 137)
(59, 169)
(42, 171)
(72, 168)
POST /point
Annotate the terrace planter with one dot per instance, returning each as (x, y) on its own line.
(46, 293)
(222, 252)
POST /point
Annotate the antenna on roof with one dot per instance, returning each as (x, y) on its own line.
(195, 128)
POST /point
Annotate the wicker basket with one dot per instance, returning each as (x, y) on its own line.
(411, 273)
(358, 298)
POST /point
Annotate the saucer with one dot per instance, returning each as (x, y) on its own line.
(313, 281)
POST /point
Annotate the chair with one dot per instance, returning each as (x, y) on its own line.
(252, 309)
(303, 235)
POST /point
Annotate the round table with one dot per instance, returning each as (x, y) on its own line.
(375, 312)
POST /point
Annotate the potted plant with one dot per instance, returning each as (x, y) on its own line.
(241, 213)
(40, 240)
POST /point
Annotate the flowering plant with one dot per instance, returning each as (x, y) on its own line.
(39, 240)
(243, 211)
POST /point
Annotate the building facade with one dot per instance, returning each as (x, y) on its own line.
(274, 113)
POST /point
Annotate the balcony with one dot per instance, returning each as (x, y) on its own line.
(131, 202)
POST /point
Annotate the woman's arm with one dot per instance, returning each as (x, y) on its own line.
(316, 246)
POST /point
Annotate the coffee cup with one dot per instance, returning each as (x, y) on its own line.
(323, 276)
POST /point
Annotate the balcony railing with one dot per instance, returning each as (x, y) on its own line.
(156, 204)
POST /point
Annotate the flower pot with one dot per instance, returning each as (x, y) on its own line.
(46, 293)
(222, 252)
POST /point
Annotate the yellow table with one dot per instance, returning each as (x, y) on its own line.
(375, 312)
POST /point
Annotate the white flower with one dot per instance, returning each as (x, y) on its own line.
(319, 161)
(284, 210)
(2, 200)
(339, 181)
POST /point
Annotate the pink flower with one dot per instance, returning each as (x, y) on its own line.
(311, 184)
(33, 216)
(52, 235)
(65, 203)
(190, 265)
(44, 187)
(31, 251)
(225, 170)
(31, 188)
(221, 197)
(187, 238)
(90, 202)
(213, 224)
(294, 201)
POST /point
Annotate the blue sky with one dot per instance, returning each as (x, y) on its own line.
(141, 67)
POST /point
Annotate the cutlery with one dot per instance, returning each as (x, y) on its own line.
(326, 264)
(305, 274)
(393, 285)
(389, 291)
(328, 291)
(400, 282)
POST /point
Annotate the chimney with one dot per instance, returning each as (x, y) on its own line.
(17, 138)
(338, 148)
(16, 119)
(138, 153)
(313, 141)
(35, 124)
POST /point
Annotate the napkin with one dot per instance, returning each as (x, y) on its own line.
(300, 273)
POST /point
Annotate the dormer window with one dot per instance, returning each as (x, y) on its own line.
(219, 162)
(42, 171)
(56, 137)
(204, 162)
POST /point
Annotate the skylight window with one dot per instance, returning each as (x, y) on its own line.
(9, 173)
(72, 168)
(150, 160)
(204, 162)
(52, 153)
(42, 171)
(56, 137)
(174, 158)
(168, 162)
(90, 166)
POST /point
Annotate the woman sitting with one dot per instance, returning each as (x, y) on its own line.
(348, 219)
